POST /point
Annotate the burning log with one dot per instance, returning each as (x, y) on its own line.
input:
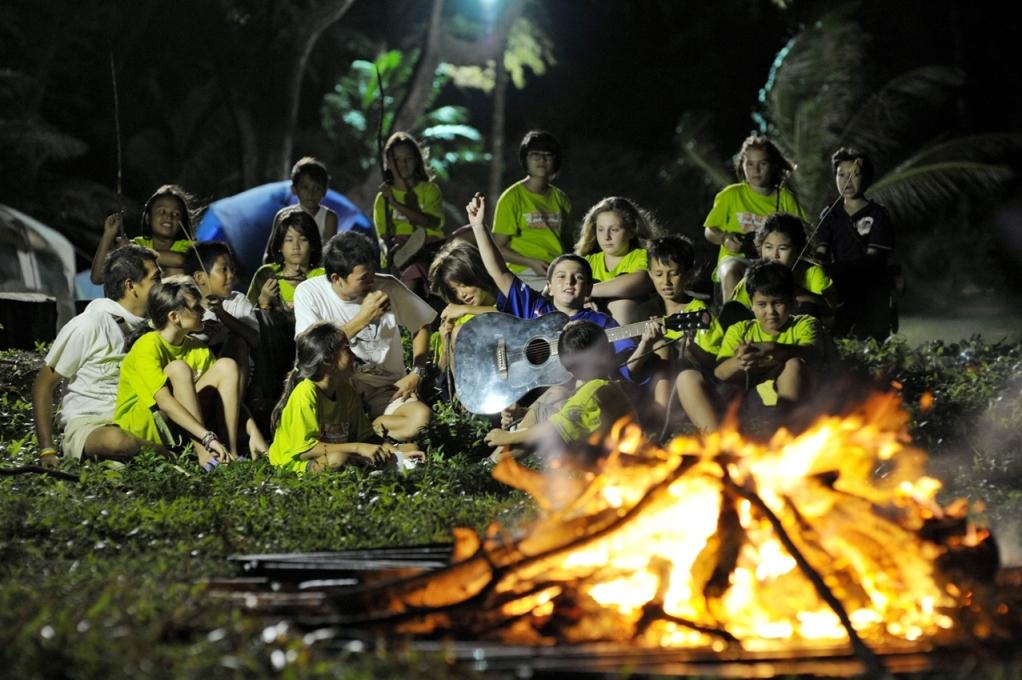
(721, 544)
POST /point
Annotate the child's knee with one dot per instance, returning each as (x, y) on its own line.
(418, 414)
(795, 367)
(112, 442)
(177, 369)
(226, 367)
(689, 380)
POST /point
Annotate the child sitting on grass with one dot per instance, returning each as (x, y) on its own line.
(783, 238)
(685, 365)
(739, 209)
(611, 241)
(597, 402)
(167, 375)
(309, 182)
(372, 309)
(459, 277)
(531, 223)
(409, 212)
(295, 251)
(167, 217)
(777, 352)
(319, 423)
(229, 325)
(855, 240)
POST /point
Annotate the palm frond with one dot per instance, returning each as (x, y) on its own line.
(918, 193)
(689, 136)
(888, 120)
(39, 141)
(992, 146)
(450, 132)
(821, 65)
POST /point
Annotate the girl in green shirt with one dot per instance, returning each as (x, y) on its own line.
(295, 251)
(611, 241)
(165, 376)
(319, 423)
(409, 211)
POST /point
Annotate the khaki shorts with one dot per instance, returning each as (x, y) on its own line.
(77, 432)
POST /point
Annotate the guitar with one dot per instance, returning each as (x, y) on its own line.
(499, 357)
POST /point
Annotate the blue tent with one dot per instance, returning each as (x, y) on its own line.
(244, 220)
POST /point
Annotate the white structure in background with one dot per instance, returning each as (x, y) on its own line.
(36, 263)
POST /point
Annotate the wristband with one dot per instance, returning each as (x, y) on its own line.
(209, 438)
(48, 451)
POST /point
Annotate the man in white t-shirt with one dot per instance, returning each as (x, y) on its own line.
(371, 308)
(87, 354)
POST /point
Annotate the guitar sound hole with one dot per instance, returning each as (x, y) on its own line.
(537, 351)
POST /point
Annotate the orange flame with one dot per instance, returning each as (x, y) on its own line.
(664, 547)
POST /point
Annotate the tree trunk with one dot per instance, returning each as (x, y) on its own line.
(497, 131)
(411, 107)
(266, 81)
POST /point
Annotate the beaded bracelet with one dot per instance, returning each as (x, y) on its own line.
(209, 438)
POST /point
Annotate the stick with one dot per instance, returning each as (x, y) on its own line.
(39, 470)
(874, 667)
(117, 126)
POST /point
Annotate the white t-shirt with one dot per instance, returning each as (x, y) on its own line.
(320, 218)
(238, 306)
(87, 353)
(378, 345)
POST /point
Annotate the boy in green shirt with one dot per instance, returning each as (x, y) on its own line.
(776, 351)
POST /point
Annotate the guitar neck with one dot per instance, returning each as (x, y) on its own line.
(684, 321)
(621, 332)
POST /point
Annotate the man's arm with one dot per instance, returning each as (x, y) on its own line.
(409, 385)
(42, 406)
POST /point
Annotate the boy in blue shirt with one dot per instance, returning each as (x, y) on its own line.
(569, 280)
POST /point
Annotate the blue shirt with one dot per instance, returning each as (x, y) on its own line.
(525, 303)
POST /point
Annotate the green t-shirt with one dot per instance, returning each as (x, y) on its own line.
(811, 277)
(287, 289)
(633, 261)
(179, 246)
(142, 377)
(738, 209)
(533, 221)
(310, 417)
(707, 339)
(801, 330)
(429, 201)
(436, 341)
(596, 405)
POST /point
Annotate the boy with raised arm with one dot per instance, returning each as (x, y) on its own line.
(569, 279)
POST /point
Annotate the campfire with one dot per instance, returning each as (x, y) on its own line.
(820, 540)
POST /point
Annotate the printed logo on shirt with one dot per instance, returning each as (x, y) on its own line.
(334, 433)
(541, 220)
(750, 222)
(864, 226)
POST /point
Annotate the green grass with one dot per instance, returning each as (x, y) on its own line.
(98, 578)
